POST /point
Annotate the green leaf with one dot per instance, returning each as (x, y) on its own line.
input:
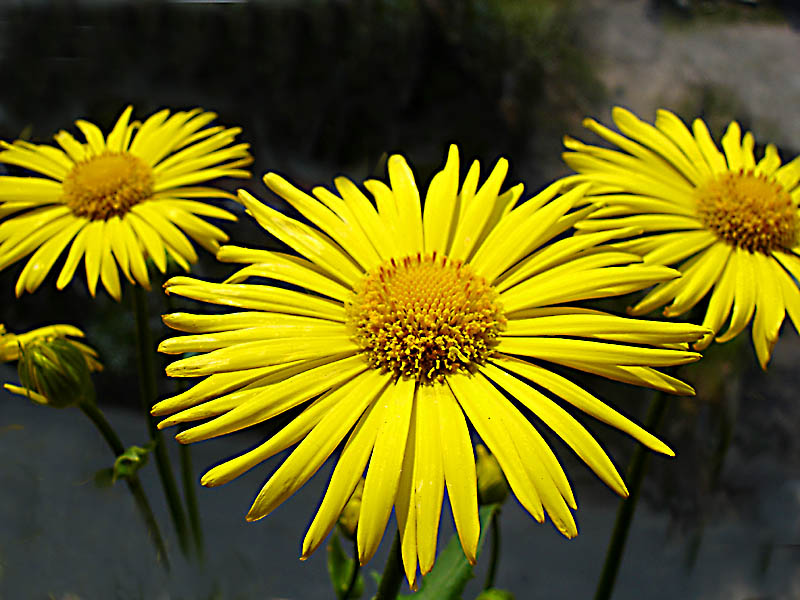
(451, 572)
(340, 569)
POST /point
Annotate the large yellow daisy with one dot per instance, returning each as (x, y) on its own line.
(396, 328)
(117, 200)
(731, 222)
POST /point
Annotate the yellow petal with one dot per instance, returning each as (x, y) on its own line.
(744, 293)
(318, 446)
(409, 210)
(563, 424)
(278, 398)
(316, 246)
(582, 400)
(472, 393)
(458, 463)
(428, 475)
(345, 477)
(380, 487)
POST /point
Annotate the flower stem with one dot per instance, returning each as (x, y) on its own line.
(134, 485)
(189, 492)
(147, 387)
(392, 573)
(187, 472)
(354, 575)
(494, 559)
(627, 507)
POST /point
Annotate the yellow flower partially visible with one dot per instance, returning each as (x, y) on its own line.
(12, 346)
(729, 222)
(117, 200)
(395, 328)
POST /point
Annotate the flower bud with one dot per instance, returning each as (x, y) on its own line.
(348, 520)
(55, 372)
(492, 484)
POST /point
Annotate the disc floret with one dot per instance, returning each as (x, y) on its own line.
(107, 185)
(749, 210)
(425, 317)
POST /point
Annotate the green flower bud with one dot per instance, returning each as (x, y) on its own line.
(492, 484)
(348, 520)
(55, 372)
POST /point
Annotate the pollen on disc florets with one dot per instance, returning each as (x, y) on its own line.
(107, 185)
(749, 210)
(425, 317)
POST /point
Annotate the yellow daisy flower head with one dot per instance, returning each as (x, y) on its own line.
(731, 224)
(395, 328)
(116, 200)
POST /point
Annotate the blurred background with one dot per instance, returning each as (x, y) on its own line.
(328, 87)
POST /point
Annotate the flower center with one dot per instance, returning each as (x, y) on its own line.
(107, 185)
(749, 211)
(425, 317)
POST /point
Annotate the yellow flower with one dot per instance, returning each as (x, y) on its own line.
(56, 353)
(117, 200)
(731, 222)
(395, 328)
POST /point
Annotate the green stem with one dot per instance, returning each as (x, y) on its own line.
(187, 473)
(190, 493)
(392, 573)
(354, 575)
(494, 559)
(147, 387)
(627, 507)
(134, 485)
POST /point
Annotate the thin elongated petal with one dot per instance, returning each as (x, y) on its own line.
(217, 384)
(317, 445)
(301, 329)
(42, 260)
(279, 398)
(409, 209)
(567, 428)
(541, 465)
(440, 204)
(382, 480)
(471, 393)
(744, 294)
(558, 350)
(770, 308)
(458, 462)
(428, 476)
(355, 246)
(345, 477)
(581, 399)
(405, 502)
(282, 267)
(317, 247)
(591, 284)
